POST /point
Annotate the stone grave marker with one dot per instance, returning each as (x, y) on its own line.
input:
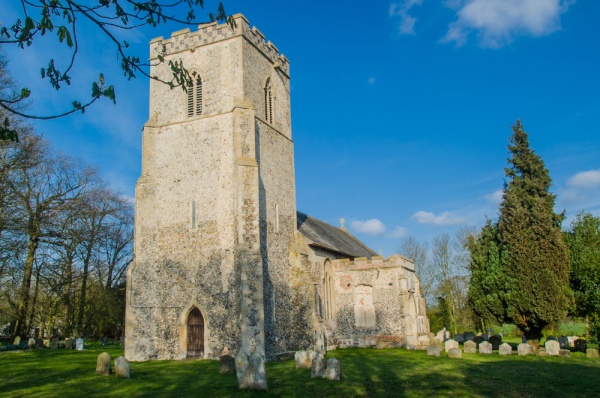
(478, 340)
(31, 342)
(553, 338)
(459, 338)
(39, 343)
(495, 341)
(69, 344)
(523, 339)
(17, 340)
(54, 343)
(469, 336)
(333, 370)
(103, 364)
(564, 353)
(563, 342)
(505, 349)
(318, 367)
(227, 364)
(485, 348)
(103, 340)
(304, 359)
(485, 336)
(524, 349)
(79, 344)
(470, 347)
(433, 351)
(122, 367)
(580, 345)
(591, 353)
(250, 370)
(455, 353)
(552, 347)
(449, 344)
(572, 340)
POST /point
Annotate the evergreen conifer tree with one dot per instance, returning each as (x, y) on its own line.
(533, 253)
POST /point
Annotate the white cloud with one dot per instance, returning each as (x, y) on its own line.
(398, 232)
(495, 197)
(498, 22)
(585, 179)
(445, 218)
(406, 25)
(370, 227)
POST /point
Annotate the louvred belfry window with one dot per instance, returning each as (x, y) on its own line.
(194, 96)
(268, 102)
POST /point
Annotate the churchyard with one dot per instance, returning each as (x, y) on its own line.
(366, 372)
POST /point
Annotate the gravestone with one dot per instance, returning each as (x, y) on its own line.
(552, 347)
(564, 353)
(434, 351)
(334, 369)
(485, 348)
(227, 364)
(459, 338)
(122, 367)
(318, 367)
(455, 353)
(79, 344)
(523, 339)
(572, 340)
(524, 349)
(250, 371)
(495, 341)
(541, 353)
(478, 340)
(103, 340)
(563, 342)
(470, 347)
(31, 342)
(39, 343)
(485, 336)
(591, 353)
(304, 359)
(449, 344)
(553, 338)
(54, 343)
(505, 349)
(69, 344)
(469, 336)
(103, 364)
(17, 340)
(581, 345)
(440, 336)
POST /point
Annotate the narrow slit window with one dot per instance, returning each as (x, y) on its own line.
(269, 102)
(194, 95)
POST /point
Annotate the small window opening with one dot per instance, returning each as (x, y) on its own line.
(194, 95)
(269, 102)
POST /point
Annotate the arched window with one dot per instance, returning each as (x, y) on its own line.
(268, 101)
(194, 95)
(328, 290)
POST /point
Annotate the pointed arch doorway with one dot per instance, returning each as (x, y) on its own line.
(195, 334)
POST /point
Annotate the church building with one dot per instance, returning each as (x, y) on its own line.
(224, 262)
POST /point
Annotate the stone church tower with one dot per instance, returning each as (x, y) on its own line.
(215, 204)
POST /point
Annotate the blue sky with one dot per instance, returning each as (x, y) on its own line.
(401, 110)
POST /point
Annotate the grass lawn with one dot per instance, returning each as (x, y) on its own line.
(365, 373)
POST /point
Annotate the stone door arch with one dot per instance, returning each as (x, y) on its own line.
(195, 334)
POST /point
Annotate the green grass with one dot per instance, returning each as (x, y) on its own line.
(365, 373)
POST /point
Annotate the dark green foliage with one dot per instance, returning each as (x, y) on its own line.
(583, 240)
(533, 253)
(487, 286)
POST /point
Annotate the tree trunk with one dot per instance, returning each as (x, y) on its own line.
(24, 294)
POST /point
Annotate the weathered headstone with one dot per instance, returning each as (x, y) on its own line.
(250, 371)
(122, 367)
(552, 347)
(541, 353)
(553, 338)
(485, 336)
(54, 343)
(103, 364)
(31, 342)
(227, 364)
(564, 353)
(334, 369)
(485, 348)
(304, 359)
(17, 340)
(449, 344)
(469, 336)
(523, 339)
(455, 353)
(581, 345)
(505, 349)
(478, 340)
(470, 347)
(39, 343)
(434, 351)
(103, 340)
(440, 336)
(495, 341)
(563, 342)
(79, 344)
(318, 367)
(572, 340)
(459, 338)
(591, 353)
(524, 349)
(69, 344)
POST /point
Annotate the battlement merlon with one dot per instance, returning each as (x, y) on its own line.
(376, 262)
(186, 40)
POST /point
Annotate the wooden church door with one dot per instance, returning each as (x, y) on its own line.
(195, 334)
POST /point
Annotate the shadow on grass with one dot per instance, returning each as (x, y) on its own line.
(365, 373)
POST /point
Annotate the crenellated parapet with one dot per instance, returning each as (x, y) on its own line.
(363, 263)
(186, 40)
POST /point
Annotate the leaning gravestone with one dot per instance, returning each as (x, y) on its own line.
(495, 341)
(469, 336)
(54, 343)
(581, 345)
(552, 347)
(79, 344)
(449, 344)
(563, 341)
(478, 340)
(250, 371)
(455, 353)
(318, 367)
(485, 348)
(591, 353)
(505, 349)
(524, 349)
(227, 364)
(470, 347)
(103, 364)
(333, 370)
(433, 351)
(459, 338)
(304, 359)
(122, 367)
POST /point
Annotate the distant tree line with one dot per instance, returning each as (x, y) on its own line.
(65, 240)
(521, 268)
